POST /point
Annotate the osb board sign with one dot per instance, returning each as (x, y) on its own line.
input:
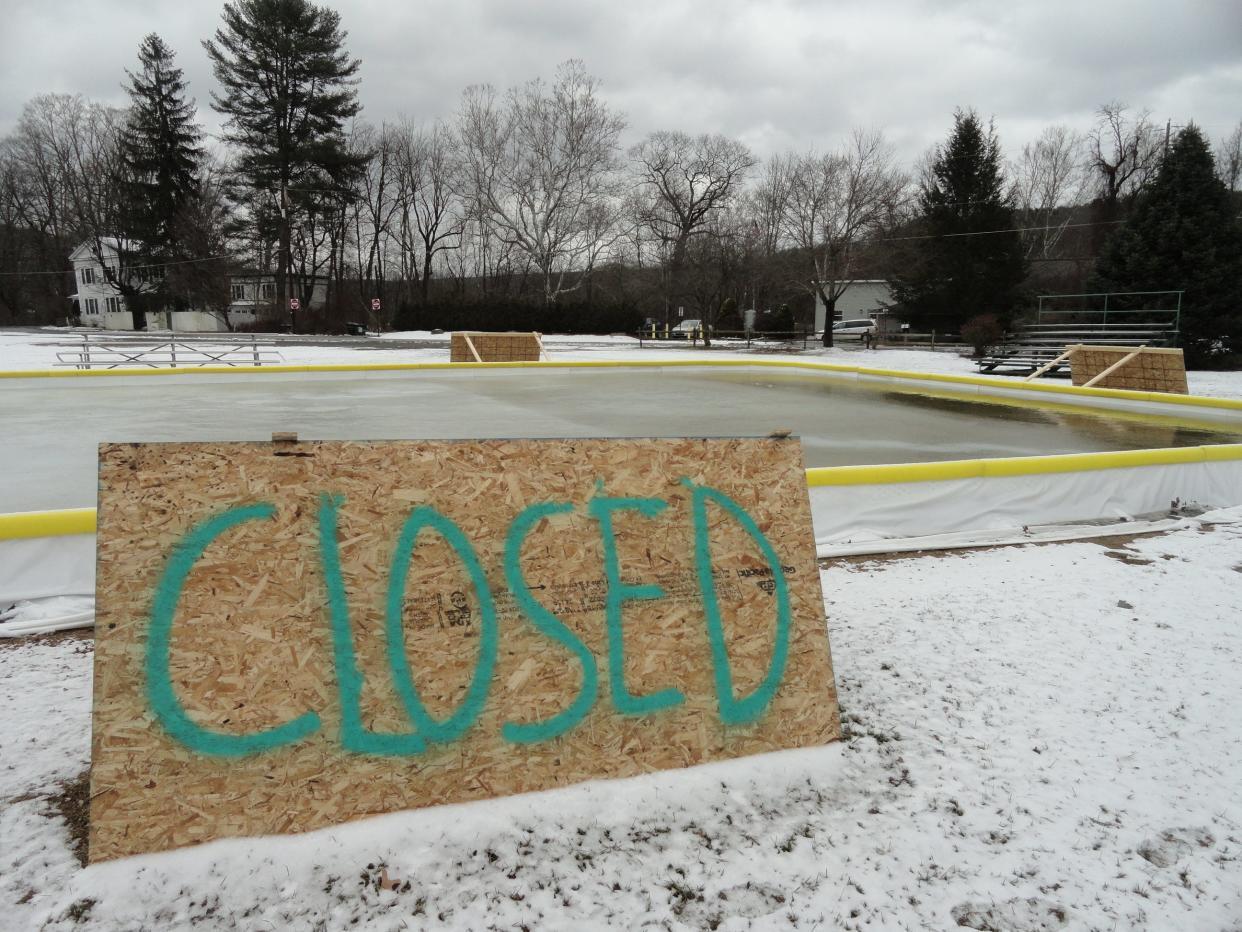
(513, 346)
(1154, 369)
(291, 635)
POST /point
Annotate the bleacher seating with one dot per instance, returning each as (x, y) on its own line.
(1035, 345)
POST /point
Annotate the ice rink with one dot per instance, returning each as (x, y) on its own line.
(51, 426)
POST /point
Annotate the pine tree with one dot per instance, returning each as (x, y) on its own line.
(288, 90)
(961, 267)
(1185, 235)
(160, 149)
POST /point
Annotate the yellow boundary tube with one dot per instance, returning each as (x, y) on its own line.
(82, 520)
(47, 523)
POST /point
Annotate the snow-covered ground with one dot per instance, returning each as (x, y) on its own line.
(1037, 737)
(35, 349)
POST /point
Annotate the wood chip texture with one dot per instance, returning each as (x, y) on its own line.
(514, 346)
(251, 646)
(1155, 369)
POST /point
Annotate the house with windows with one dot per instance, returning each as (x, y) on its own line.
(252, 296)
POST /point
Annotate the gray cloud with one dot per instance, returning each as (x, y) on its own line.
(776, 73)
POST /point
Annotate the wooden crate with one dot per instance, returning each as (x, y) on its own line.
(246, 587)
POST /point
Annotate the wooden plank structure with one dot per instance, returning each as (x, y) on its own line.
(1144, 368)
(512, 346)
(291, 635)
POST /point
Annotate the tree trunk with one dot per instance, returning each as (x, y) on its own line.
(425, 284)
(283, 289)
(830, 312)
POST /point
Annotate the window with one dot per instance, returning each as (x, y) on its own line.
(268, 290)
(87, 275)
(90, 305)
(114, 305)
(237, 292)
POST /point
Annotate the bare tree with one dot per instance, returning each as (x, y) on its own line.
(1229, 159)
(430, 219)
(201, 228)
(372, 211)
(36, 208)
(717, 263)
(539, 167)
(683, 181)
(68, 150)
(1050, 177)
(1124, 151)
(835, 200)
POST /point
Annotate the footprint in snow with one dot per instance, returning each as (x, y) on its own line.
(1171, 845)
(1029, 915)
(744, 901)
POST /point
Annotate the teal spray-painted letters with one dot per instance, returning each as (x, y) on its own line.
(354, 735)
(551, 626)
(467, 713)
(618, 594)
(160, 693)
(735, 711)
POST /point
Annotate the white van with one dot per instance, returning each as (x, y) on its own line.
(861, 327)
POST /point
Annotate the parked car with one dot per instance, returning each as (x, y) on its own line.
(862, 328)
(687, 329)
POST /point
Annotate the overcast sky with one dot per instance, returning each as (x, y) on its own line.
(777, 74)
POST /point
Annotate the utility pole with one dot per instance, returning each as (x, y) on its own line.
(1168, 127)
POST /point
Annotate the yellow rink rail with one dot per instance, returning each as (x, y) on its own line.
(82, 520)
(47, 523)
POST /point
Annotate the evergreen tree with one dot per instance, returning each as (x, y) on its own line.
(1185, 235)
(288, 90)
(160, 149)
(962, 267)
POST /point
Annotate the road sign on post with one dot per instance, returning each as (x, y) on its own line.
(295, 304)
(375, 304)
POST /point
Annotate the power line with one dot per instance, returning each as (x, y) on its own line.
(882, 239)
(1058, 226)
(128, 268)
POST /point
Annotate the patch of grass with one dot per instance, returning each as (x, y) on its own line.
(73, 803)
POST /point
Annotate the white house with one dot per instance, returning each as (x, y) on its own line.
(864, 297)
(100, 304)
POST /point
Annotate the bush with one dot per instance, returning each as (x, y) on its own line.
(983, 333)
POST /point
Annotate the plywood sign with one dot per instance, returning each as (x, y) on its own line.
(293, 635)
(1144, 369)
(511, 346)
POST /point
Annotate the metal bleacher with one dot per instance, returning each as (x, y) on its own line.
(1136, 318)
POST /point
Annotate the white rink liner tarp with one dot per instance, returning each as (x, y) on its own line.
(847, 518)
(992, 509)
(41, 567)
